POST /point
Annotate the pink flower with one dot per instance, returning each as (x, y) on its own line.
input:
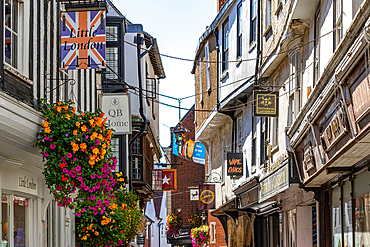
(74, 159)
(69, 155)
(93, 197)
(78, 168)
(46, 138)
(44, 154)
(92, 176)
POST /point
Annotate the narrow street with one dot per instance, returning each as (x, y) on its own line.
(223, 123)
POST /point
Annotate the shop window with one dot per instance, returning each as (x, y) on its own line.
(20, 222)
(292, 228)
(347, 211)
(336, 217)
(362, 210)
(5, 208)
(112, 62)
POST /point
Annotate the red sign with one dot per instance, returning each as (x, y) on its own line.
(207, 196)
(169, 179)
(4, 199)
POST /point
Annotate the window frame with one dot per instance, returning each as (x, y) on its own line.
(268, 14)
(295, 84)
(225, 45)
(116, 22)
(14, 31)
(200, 81)
(208, 66)
(239, 31)
(316, 62)
(338, 22)
(253, 23)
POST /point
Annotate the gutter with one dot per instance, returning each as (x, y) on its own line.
(138, 41)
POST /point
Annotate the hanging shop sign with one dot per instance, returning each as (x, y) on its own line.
(118, 112)
(207, 196)
(266, 104)
(164, 179)
(234, 164)
(188, 149)
(83, 40)
(194, 194)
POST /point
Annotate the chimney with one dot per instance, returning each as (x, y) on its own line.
(220, 3)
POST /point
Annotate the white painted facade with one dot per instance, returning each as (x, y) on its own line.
(158, 235)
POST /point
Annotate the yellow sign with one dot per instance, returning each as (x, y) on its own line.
(266, 104)
(207, 196)
(191, 145)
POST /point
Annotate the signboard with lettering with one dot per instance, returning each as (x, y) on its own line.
(180, 239)
(188, 149)
(194, 194)
(234, 164)
(336, 128)
(140, 240)
(207, 196)
(266, 104)
(278, 181)
(117, 110)
(82, 39)
(27, 184)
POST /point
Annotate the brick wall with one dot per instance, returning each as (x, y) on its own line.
(188, 175)
(220, 233)
(209, 101)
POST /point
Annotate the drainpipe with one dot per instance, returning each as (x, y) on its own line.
(138, 41)
(258, 40)
(215, 33)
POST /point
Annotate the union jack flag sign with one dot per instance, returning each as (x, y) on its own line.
(83, 40)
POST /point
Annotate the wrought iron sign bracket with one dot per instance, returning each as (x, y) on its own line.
(213, 178)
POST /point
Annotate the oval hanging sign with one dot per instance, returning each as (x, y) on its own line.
(190, 149)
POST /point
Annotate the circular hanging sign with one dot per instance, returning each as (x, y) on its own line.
(207, 196)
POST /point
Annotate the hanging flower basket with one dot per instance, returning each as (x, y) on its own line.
(200, 236)
(195, 220)
(78, 172)
(117, 225)
(174, 223)
(76, 148)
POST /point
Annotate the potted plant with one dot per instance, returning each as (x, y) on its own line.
(174, 223)
(200, 236)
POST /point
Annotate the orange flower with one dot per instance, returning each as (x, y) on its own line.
(95, 151)
(83, 146)
(93, 135)
(75, 132)
(91, 162)
(59, 103)
(68, 116)
(46, 124)
(78, 124)
(47, 130)
(74, 109)
(59, 109)
(83, 128)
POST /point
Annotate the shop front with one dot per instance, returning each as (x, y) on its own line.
(283, 209)
(29, 216)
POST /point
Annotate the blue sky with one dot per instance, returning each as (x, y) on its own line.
(177, 25)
